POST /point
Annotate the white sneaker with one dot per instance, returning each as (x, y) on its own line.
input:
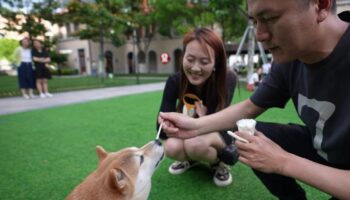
(222, 176)
(42, 95)
(26, 96)
(179, 167)
(48, 94)
(32, 96)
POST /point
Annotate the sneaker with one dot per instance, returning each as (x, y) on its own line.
(48, 94)
(42, 95)
(32, 96)
(26, 96)
(179, 167)
(222, 176)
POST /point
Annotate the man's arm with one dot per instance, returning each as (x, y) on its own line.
(331, 180)
(179, 125)
(264, 155)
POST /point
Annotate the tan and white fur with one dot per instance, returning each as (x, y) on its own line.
(122, 175)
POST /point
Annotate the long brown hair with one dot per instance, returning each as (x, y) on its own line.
(214, 92)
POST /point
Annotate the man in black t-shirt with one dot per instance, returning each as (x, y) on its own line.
(311, 51)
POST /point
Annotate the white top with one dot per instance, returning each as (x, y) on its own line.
(26, 55)
(253, 78)
(266, 68)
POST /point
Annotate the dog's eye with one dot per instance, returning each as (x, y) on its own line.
(141, 159)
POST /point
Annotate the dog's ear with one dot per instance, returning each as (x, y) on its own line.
(119, 181)
(101, 153)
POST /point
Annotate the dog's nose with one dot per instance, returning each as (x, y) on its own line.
(158, 142)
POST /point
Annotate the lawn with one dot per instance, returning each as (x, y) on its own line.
(9, 84)
(45, 153)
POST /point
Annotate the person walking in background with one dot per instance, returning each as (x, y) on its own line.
(254, 80)
(41, 60)
(25, 72)
(203, 86)
(266, 67)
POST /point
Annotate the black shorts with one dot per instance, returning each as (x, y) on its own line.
(42, 72)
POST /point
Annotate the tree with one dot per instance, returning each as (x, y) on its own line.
(232, 17)
(24, 16)
(178, 17)
(101, 20)
(175, 18)
(8, 46)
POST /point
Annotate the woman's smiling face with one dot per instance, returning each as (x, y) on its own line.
(198, 63)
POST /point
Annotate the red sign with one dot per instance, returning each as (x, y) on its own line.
(164, 58)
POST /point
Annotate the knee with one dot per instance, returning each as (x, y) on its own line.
(173, 147)
(195, 146)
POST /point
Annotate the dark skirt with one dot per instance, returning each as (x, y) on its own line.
(42, 72)
(26, 76)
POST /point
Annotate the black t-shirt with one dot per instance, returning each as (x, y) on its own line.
(42, 54)
(320, 93)
(171, 94)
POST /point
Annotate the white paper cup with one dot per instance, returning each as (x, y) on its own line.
(246, 125)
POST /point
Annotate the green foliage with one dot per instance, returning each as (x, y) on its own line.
(23, 19)
(101, 20)
(7, 49)
(64, 71)
(58, 58)
(231, 15)
(178, 17)
(174, 17)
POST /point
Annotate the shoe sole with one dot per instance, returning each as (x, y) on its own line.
(223, 183)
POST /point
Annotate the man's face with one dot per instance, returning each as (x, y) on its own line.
(285, 27)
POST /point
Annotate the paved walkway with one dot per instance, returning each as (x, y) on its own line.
(19, 104)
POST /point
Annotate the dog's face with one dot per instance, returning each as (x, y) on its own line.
(129, 171)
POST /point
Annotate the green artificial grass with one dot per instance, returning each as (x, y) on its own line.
(46, 153)
(9, 84)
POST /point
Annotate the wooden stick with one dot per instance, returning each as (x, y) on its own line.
(160, 128)
(232, 134)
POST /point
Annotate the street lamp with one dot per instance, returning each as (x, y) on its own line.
(135, 58)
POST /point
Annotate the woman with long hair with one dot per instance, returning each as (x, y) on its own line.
(203, 86)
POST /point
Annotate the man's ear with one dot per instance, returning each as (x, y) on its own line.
(119, 181)
(324, 8)
(101, 153)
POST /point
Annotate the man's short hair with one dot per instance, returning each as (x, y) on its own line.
(306, 3)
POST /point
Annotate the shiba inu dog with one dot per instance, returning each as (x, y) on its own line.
(121, 175)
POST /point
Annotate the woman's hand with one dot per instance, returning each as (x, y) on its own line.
(201, 109)
(261, 153)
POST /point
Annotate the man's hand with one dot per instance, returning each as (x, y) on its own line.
(178, 125)
(261, 153)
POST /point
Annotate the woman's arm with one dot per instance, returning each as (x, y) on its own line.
(41, 60)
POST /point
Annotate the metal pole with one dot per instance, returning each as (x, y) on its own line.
(251, 49)
(262, 53)
(238, 52)
(135, 57)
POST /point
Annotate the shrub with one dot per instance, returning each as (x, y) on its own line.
(64, 71)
